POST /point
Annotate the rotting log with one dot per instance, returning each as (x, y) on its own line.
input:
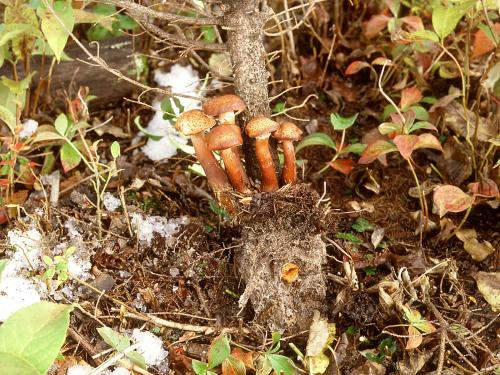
(68, 76)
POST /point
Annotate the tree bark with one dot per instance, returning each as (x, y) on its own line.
(244, 21)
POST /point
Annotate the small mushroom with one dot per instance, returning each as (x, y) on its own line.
(286, 135)
(224, 107)
(194, 123)
(226, 139)
(260, 128)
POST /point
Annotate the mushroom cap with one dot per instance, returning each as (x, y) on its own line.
(260, 126)
(224, 137)
(193, 122)
(222, 104)
(288, 131)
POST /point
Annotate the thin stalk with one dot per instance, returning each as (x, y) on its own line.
(464, 219)
(338, 152)
(423, 202)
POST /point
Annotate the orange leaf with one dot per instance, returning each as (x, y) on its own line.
(344, 166)
(4, 218)
(375, 150)
(449, 198)
(414, 339)
(485, 188)
(482, 42)
(375, 25)
(410, 96)
(414, 22)
(428, 140)
(355, 67)
(406, 144)
(245, 357)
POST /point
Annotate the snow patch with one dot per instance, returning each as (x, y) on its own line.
(151, 347)
(147, 226)
(181, 80)
(111, 203)
(80, 370)
(28, 128)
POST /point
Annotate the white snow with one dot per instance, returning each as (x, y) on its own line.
(181, 80)
(28, 128)
(17, 290)
(147, 226)
(151, 347)
(120, 371)
(111, 203)
(79, 370)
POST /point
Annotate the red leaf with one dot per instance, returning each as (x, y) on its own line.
(375, 150)
(485, 188)
(375, 25)
(355, 67)
(482, 42)
(410, 96)
(414, 22)
(406, 144)
(344, 166)
(4, 218)
(449, 198)
(428, 140)
(4, 182)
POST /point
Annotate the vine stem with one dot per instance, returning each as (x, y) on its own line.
(423, 202)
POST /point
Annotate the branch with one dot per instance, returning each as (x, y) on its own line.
(169, 17)
(183, 42)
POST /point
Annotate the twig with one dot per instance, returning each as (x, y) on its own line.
(170, 324)
(443, 336)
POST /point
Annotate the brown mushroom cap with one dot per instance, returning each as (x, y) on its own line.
(194, 122)
(224, 137)
(222, 104)
(288, 131)
(260, 126)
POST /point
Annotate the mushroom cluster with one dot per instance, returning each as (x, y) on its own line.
(226, 138)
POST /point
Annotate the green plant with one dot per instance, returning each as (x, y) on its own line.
(340, 160)
(58, 266)
(386, 348)
(30, 339)
(122, 345)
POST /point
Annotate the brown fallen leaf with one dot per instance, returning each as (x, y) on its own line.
(449, 198)
(483, 43)
(455, 118)
(488, 284)
(410, 96)
(375, 25)
(478, 251)
(455, 162)
(369, 368)
(414, 362)
(245, 357)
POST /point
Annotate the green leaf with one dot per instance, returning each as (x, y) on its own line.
(70, 157)
(387, 346)
(200, 368)
(154, 137)
(55, 33)
(316, 139)
(115, 149)
(416, 320)
(34, 335)
(445, 18)
(355, 148)
(14, 30)
(209, 34)
(276, 337)
(61, 124)
(390, 127)
(137, 358)
(424, 35)
(47, 260)
(114, 339)
(349, 237)
(341, 123)
(8, 117)
(168, 109)
(281, 364)
(219, 351)
(362, 225)
(370, 271)
(421, 125)
(13, 364)
(279, 107)
(420, 112)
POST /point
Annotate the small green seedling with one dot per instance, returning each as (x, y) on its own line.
(58, 266)
(123, 345)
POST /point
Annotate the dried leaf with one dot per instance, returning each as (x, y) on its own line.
(455, 118)
(289, 272)
(414, 338)
(377, 236)
(410, 96)
(245, 357)
(369, 368)
(406, 144)
(428, 140)
(449, 198)
(488, 284)
(414, 362)
(478, 251)
(485, 188)
(355, 67)
(414, 22)
(455, 162)
(375, 25)
(344, 166)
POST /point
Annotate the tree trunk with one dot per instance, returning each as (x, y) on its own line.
(244, 21)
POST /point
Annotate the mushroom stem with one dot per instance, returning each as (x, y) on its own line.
(215, 175)
(235, 170)
(265, 160)
(289, 172)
